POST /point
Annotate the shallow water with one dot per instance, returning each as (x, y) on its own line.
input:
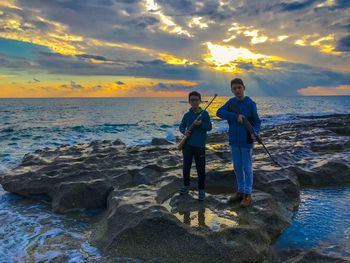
(203, 217)
(27, 225)
(322, 221)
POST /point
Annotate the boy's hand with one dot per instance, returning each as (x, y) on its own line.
(240, 118)
(187, 133)
(197, 122)
(256, 137)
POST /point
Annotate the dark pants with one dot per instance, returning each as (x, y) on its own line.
(199, 157)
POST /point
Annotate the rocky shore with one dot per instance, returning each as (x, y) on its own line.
(143, 216)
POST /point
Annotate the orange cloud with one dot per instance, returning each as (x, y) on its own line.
(325, 91)
(92, 87)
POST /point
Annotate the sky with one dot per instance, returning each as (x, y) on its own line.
(133, 48)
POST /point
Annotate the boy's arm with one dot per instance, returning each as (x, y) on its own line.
(257, 122)
(206, 122)
(225, 114)
(182, 126)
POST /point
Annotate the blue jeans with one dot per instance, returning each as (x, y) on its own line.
(242, 163)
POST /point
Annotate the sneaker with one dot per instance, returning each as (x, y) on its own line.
(236, 197)
(247, 201)
(183, 190)
(201, 195)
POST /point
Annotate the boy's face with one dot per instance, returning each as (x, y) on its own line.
(194, 101)
(238, 90)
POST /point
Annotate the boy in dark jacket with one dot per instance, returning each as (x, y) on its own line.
(195, 144)
(240, 139)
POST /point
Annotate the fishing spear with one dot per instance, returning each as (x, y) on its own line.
(250, 129)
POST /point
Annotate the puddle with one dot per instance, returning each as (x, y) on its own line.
(195, 214)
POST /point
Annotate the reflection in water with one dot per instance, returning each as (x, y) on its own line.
(206, 218)
(189, 217)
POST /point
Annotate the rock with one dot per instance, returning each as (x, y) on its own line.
(282, 184)
(136, 225)
(160, 141)
(332, 173)
(145, 218)
(70, 196)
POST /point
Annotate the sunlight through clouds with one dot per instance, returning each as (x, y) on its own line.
(208, 42)
(167, 24)
(229, 58)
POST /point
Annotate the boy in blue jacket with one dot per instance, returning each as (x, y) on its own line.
(241, 141)
(195, 144)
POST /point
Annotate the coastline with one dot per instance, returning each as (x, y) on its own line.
(113, 171)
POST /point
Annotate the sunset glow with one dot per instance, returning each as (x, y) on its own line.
(46, 45)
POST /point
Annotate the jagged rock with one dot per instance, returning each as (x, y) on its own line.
(137, 225)
(145, 218)
(69, 196)
(160, 141)
(332, 173)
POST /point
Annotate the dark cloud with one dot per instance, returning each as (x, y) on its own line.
(208, 9)
(245, 65)
(120, 83)
(34, 81)
(291, 77)
(342, 4)
(344, 44)
(142, 22)
(127, 22)
(296, 5)
(72, 85)
(70, 65)
(101, 58)
(16, 63)
(172, 87)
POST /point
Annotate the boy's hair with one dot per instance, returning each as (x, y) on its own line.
(194, 93)
(237, 81)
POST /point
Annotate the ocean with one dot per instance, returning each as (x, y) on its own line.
(30, 124)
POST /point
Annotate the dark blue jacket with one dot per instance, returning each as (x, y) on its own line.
(238, 134)
(198, 135)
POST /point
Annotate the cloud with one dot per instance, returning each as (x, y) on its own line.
(166, 40)
(96, 88)
(70, 65)
(15, 63)
(341, 4)
(344, 44)
(73, 85)
(325, 91)
(120, 83)
(172, 87)
(296, 5)
(84, 56)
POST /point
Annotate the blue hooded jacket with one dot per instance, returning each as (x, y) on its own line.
(238, 134)
(198, 135)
